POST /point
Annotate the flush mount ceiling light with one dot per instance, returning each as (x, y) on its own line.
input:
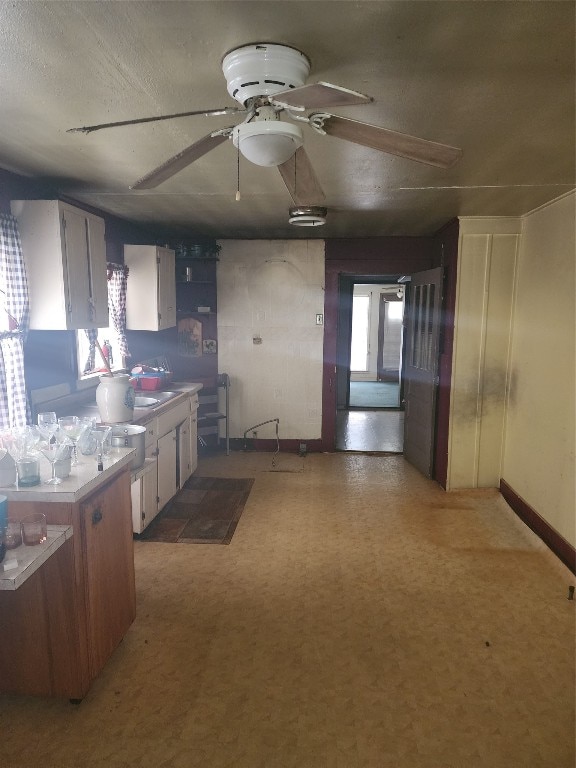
(267, 142)
(307, 216)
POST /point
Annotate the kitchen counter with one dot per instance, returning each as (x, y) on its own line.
(82, 480)
(29, 559)
(88, 407)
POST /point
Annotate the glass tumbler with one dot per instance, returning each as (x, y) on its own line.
(34, 529)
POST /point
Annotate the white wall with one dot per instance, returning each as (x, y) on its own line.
(512, 409)
(487, 253)
(272, 289)
(539, 455)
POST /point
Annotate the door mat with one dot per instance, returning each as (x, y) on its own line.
(205, 511)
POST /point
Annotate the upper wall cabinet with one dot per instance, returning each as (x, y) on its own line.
(151, 289)
(65, 255)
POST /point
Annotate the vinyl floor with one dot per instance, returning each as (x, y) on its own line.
(361, 617)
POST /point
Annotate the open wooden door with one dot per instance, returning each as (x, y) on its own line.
(421, 368)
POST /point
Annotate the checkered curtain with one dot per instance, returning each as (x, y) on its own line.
(92, 334)
(14, 409)
(117, 282)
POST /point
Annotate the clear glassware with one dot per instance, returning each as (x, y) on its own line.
(47, 418)
(73, 428)
(100, 434)
(55, 451)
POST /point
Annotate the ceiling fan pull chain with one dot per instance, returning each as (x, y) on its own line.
(238, 174)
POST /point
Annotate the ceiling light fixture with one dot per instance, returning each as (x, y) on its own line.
(307, 216)
(267, 142)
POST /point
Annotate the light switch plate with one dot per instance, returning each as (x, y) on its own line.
(319, 319)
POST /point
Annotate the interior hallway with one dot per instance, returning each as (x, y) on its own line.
(371, 431)
(360, 617)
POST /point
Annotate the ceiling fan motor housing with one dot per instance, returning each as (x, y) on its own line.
(263, 69)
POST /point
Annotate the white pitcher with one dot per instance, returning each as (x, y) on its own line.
(115, 398)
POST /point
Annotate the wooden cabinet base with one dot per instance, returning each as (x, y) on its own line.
(58, 629)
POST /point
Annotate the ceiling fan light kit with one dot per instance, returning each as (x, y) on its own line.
(307, 216)
(267, 142)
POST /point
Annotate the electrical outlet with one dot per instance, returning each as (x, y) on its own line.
(302, 450)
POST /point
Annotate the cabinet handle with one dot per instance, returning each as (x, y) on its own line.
(96, 516)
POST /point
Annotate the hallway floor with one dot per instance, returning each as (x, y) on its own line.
(361, 617)
(379, 431)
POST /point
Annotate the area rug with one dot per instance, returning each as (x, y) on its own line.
(205, 511)
(374, 394)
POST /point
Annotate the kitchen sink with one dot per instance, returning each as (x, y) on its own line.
(149, 401)
(145, 402)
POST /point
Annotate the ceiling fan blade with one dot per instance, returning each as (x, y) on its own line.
(205, 113)
(385, 140)
(300, 179)
(320, 95)
(180, 161)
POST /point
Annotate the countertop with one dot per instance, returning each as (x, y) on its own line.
(141, 415)
(29, 559)
(83, 479)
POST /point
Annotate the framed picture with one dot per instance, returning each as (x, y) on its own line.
(189, 337)
(209, 346)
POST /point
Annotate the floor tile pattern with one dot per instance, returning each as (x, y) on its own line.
(360, 618)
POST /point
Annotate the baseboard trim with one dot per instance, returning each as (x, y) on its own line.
(557, 543)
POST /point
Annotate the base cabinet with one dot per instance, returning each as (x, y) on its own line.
(58, 630)
(167, 479)
(171, 441)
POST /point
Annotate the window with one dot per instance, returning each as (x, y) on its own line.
(87, 364)
(360, 333)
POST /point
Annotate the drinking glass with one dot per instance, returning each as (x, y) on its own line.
(13, 534)
(34, 529)
(100, 433)
(73, 428)
(47, 421)
(54, 451)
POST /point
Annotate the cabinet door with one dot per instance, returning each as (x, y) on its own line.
(97, 265)
(194, 439)
(184, 452)
(108, 568)
(144, 491)
(166, 289)
(76, 269)
(166, 468)
(151, 290)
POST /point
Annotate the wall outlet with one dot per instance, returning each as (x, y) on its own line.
(302, 450)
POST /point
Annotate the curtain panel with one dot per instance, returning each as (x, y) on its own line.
(117, 282)
(14, 408)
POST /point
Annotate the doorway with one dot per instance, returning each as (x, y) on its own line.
(369, 416)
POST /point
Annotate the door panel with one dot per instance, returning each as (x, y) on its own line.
(421, 368)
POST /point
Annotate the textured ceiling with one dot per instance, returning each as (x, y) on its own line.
(493, 78)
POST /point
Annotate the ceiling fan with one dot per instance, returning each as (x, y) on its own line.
(268, 80)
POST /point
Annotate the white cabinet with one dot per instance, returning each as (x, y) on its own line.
(167, 486)
(65, 255)
(144, 491)
(151, 288)
(184, 464)
(171, 457)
